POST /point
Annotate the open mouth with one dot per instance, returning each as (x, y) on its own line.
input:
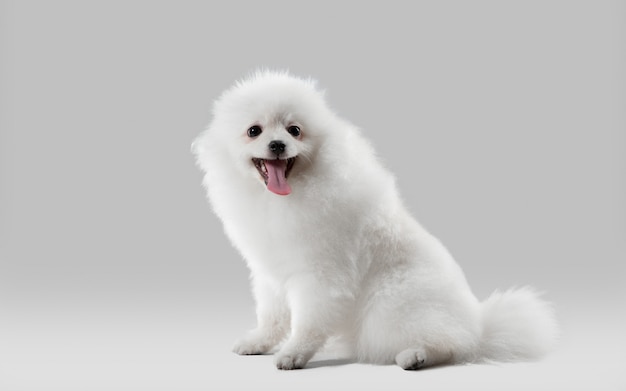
(274, 173)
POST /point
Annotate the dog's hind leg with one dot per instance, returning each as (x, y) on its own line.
(418, 358)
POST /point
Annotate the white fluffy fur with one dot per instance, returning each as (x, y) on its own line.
(341, 256)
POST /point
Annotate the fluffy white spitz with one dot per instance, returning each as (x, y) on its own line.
(331, 248)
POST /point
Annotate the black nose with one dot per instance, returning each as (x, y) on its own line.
(277, 147)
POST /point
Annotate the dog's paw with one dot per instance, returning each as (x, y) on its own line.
(251, 345)
(290, 361)
(411, 359)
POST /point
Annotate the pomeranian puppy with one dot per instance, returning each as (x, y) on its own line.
(331, 248)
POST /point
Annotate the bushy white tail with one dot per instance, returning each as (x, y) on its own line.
(517, 325)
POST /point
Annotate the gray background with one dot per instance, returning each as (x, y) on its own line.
(504, 123)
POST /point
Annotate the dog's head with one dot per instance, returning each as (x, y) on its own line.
(269, 127)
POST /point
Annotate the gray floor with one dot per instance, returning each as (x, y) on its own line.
(185, 349)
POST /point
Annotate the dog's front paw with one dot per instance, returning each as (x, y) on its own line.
(250, 345)
(291, 361)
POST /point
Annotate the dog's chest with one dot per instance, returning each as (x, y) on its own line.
(282, 238)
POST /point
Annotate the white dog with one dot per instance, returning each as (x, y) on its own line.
(332, 249)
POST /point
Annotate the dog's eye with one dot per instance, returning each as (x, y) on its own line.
(294, 130)
(254, 131)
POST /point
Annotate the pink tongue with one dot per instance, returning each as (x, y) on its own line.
(276, 181)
